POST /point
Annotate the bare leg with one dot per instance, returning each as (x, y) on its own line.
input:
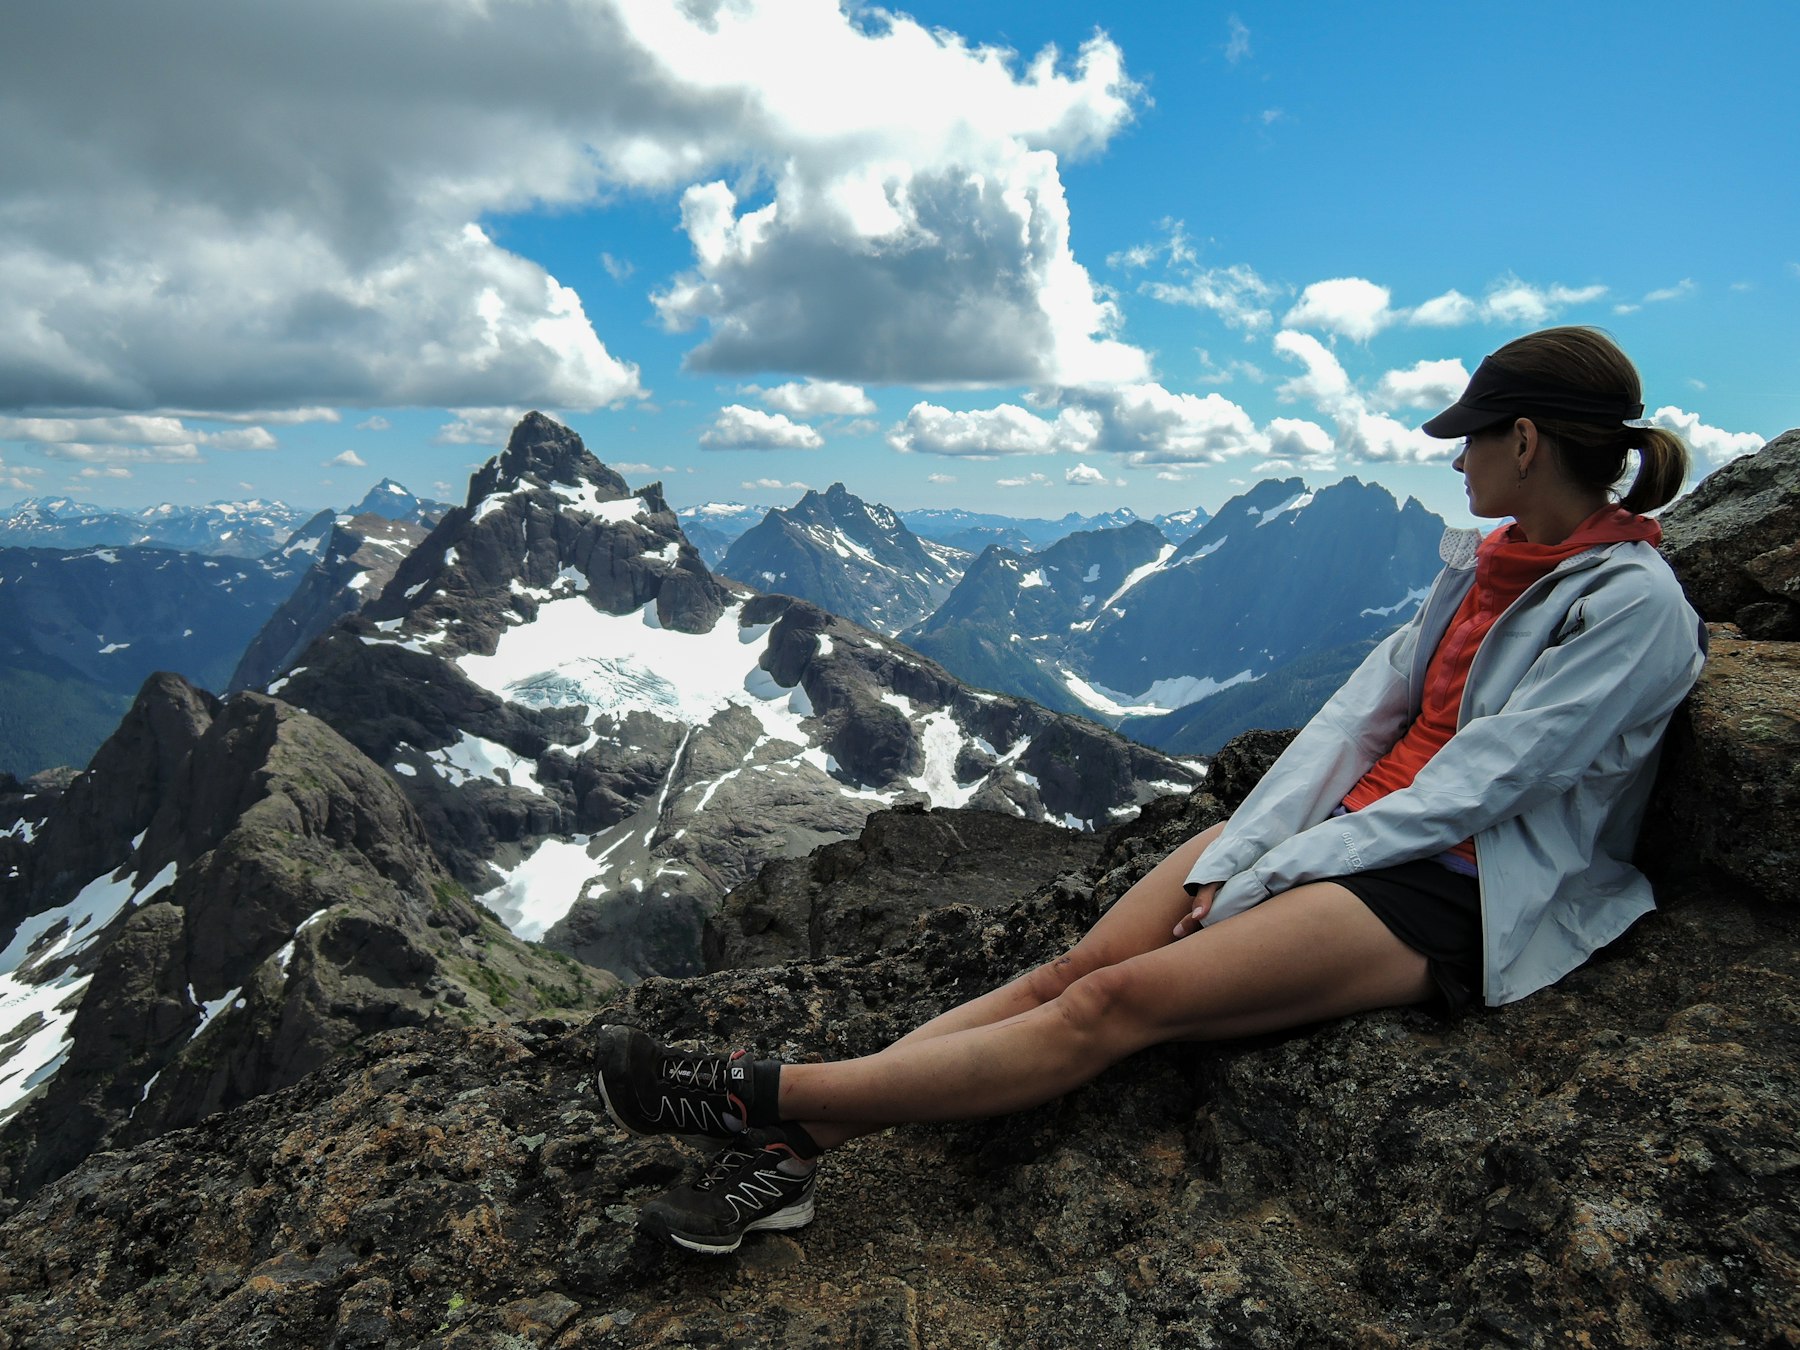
(1139, 921)
(1313, 953)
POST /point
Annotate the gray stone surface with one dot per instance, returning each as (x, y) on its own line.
(1735, 541)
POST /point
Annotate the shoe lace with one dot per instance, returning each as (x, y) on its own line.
(705, 1072)
(725, 1163)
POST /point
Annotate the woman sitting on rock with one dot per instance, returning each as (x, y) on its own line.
(1459, 817)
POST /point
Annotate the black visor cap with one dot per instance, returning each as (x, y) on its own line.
(1496, 394)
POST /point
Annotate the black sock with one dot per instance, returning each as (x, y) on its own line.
(764, 1102)
(805, 1147)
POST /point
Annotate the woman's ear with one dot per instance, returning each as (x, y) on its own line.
(1525, 445)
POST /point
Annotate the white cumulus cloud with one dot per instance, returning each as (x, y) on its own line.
(321, 240)
(348, 460)
(1086, 475)
(1349, 306)
(1513, 301)
(1425, 384)
(1448, 310)
(987, 433)
(1713, 443)
(815, 398)
(479, 426)
(1361, 432)
(737, 427)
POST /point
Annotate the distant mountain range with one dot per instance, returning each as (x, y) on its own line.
(82, 627)
(1285, 588)
(250, 529)
(80, 630)
(973, 531)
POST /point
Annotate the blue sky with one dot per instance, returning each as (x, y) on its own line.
(763, 245)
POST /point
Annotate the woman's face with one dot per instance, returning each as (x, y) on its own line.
(1490, 470)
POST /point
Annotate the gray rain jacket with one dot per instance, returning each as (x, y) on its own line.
(1549, 770)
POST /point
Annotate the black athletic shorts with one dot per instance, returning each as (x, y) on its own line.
(1434, 911)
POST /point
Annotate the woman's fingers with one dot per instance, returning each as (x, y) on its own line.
(1203, 902)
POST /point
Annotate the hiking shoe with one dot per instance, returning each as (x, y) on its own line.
(742, 1191)
(651, 1089)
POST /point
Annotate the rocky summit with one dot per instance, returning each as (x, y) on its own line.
(849, 556)
(602, 737)
(355, 557)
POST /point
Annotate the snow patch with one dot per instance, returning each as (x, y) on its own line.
(472, 757)
(1161, 697)
(539, 890)
(1411, 600)
(1298, 502)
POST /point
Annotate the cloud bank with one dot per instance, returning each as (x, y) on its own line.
(284, 206)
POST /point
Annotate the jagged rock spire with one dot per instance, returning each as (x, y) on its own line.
(541, 451)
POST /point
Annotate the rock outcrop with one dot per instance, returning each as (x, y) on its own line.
(356, 557)
(847, 556)
(865, 894)
(229, 896)
(1735, 540)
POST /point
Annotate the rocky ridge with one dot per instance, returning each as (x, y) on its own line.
(227, 897)
(357, 556)
(602, 737)
(1608, 1163)
(1251, 620)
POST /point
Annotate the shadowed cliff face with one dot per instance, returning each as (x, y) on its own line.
(229, 896)
(1609, 1162)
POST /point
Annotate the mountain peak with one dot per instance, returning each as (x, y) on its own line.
(542, 451)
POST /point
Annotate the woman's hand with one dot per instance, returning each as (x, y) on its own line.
(1203, 903)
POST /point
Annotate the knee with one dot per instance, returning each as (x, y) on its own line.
(1103, 1001)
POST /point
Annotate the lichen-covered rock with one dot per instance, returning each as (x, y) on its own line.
(864, 894)
(1735, 541)
(1610, 1162)
(1730, 797)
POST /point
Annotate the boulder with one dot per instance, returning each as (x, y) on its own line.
(1729, 802)
(1735, 541)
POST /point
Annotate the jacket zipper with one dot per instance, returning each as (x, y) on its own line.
(1580, 562)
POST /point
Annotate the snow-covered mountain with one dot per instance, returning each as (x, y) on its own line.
(1179, 526)
(392, 501)
(603, 737)
(1252, 621)
(225, 898)
(248, 529)
(80, 630)
(849, 556)
(972, 531)
(1015, 620)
